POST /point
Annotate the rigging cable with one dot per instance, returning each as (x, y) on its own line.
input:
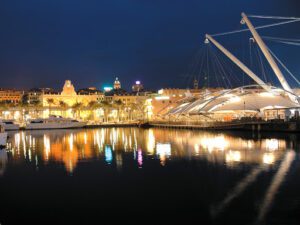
(286, 42)
(261, 65)
(273, 17)
(282, 64)
(280, 39)
(258, 27)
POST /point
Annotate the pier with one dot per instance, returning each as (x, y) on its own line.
(257, 126)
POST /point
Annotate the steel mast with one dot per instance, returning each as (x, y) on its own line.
(238, 63)
(269, 57)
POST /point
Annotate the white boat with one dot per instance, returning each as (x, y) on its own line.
(3, 136)
(9, 125)
(53, 122)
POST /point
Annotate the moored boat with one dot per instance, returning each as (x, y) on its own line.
(53, 122)
(9, 125)
(3, 136)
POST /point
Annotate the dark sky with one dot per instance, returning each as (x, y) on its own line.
(44, 42)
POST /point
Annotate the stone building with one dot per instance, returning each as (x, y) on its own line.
(10, 95)
(70, 97)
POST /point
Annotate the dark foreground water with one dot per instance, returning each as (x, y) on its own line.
(149, 176)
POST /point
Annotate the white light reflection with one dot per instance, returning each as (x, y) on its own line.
(272, 144)
(233, 156)
(275, 184)
(214, 143)
(268, 158)
(237, 191)
(46, 146)
(163, 151)
(150, 142)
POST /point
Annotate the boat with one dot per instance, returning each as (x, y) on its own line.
(3, 136)
(53, 122)
(9, 125)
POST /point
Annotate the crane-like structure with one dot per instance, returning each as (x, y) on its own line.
(267, 54)
(238, 63)
(269, 57)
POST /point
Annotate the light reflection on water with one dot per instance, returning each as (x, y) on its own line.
(71, 146)
(111, 146)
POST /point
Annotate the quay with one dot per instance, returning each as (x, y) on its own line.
(108, 125)
(257, 126)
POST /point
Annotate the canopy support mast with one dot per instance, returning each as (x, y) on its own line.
(269, 57)
(238, 63)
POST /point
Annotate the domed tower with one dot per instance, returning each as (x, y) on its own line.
(117, 84)
(68, 88)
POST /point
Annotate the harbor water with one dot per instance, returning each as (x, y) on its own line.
(149, 176)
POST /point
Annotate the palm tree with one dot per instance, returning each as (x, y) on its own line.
(92, 106)
(36, 106)
(50, 102)
(118, 104)
(106, 106)
(76, 107)
(63, 106)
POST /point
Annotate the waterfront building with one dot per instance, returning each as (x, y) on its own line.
(137, 87)
(70, 97)
(130, 105)
(250, 102)
(34, 95)
(10, 95)
(169, 98)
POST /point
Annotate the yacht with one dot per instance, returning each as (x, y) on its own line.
(53, 122)
(3, 136)
(9, 125)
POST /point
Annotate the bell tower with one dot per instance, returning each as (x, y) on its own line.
(117, 83)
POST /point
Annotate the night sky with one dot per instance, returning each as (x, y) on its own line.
(44, 42)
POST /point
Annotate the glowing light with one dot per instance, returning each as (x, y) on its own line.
(108, 154)
(268, 158)
(196, 147)
(233, 156)
(266, 94)
(71, 140)
(140, 158)
(235, 99)
(272, 144)
(47, 145)
(107, 89)
(163, 151)
(212, 143)
(162, 97)
(161, 91)
(137, 82)
(85, 138)
(150, 142)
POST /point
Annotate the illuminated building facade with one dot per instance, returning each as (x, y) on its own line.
(10, 95)
(168, 98)
(137, 87)
(117, 84)
(70, 97)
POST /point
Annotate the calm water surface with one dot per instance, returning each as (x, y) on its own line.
(149, 176)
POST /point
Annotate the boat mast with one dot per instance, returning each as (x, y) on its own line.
(238, 62)
(269, 57)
